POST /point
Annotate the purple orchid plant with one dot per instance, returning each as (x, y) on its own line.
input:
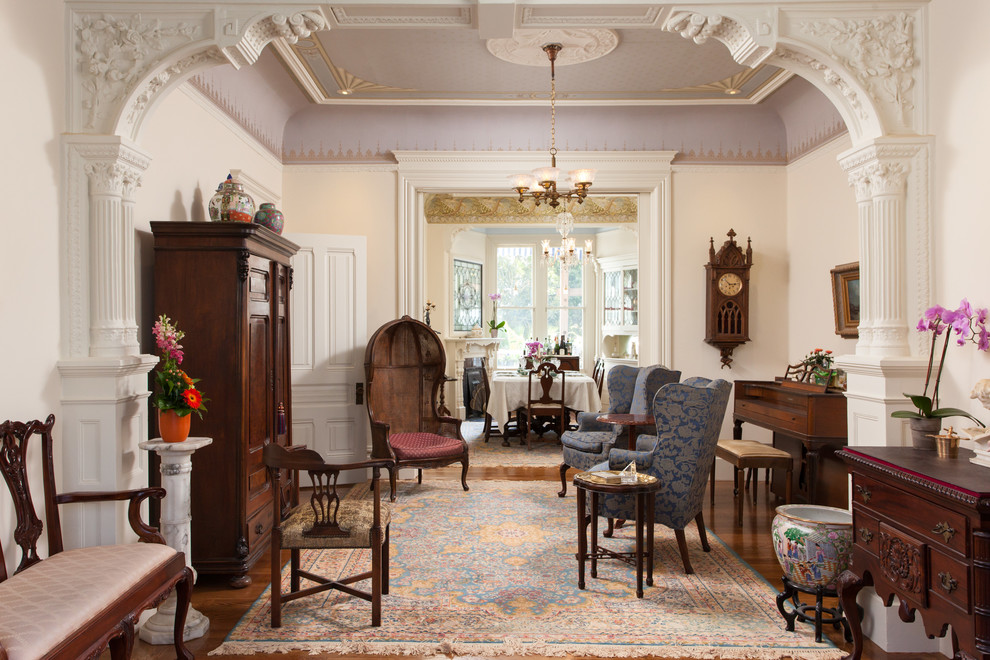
(494, 323)
(968, 325)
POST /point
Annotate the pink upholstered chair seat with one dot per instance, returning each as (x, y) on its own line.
(424, 446)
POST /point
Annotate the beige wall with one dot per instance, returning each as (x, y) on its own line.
(822, 232)
(29, 233)
(328, 200)
(193, 148)
(959, 69)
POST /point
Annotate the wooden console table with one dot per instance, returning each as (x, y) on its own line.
(922, 533)
(810, 426)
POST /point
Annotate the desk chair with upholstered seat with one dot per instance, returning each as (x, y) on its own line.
(325, 521)
(689, 417)
(404, 367)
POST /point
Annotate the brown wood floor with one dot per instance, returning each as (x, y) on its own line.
(225, 606)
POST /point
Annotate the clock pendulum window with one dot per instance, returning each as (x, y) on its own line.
(727, 296)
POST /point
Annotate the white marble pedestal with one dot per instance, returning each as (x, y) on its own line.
(176, 467)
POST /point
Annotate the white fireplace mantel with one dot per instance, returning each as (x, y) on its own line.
(458, 349)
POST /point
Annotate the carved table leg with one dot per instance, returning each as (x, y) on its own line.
(582, 540)
(813, 460)
(737, 429)
(848, 585)
(563, 480)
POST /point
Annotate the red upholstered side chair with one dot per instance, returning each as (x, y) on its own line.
(404, 367)
(76, 603)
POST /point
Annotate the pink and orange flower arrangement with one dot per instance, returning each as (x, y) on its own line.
(176, 390)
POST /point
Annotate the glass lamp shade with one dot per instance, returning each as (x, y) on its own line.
(546, 174)
(522, 181)
(582, 176)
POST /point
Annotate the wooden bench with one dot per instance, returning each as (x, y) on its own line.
(750, 454)
(76, 603)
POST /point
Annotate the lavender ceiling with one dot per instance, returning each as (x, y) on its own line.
(421, 77)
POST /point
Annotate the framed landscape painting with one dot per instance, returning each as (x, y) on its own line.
(845, 299)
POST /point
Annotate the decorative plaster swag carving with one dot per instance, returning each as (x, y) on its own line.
(447, 209)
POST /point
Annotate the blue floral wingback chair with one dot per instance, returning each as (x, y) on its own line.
(630, 390)
(689, 417)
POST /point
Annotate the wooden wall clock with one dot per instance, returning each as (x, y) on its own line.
(727, 296)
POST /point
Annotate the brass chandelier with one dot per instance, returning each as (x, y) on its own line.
(542, 183)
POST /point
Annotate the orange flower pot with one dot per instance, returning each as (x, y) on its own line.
(171, 427)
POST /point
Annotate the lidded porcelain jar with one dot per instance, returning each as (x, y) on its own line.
(269, 217)
(231, 203)
(812, 543)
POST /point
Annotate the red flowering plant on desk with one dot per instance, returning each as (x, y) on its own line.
(176, 390)
(969, 325)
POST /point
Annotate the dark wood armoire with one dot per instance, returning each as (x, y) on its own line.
(226, 285)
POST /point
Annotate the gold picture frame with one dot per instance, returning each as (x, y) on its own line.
(845, 299)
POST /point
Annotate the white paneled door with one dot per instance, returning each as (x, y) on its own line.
(328, 307)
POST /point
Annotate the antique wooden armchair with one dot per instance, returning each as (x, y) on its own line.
(326, 521)
(404, 367)
(76, 603)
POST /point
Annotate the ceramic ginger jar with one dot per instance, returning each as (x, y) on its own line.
(231, 203)
(812, 543)
(269, 217)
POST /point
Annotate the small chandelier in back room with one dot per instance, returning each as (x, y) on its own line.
(542, 183)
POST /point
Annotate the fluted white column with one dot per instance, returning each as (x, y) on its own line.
(886, 249)
(867, 277)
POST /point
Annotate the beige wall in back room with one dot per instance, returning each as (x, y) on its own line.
(328, 200)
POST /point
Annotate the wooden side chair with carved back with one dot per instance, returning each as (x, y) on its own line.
(325, 521)
(542, 402)
(404, 367)
(76, 603)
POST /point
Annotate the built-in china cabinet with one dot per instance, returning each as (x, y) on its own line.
(619, 286)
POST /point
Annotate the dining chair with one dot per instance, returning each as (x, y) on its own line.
(688, 420)
(326, 521)
(631, 389)
(542, 403)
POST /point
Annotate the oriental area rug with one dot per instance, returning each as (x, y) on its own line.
(492, 454)
(491, 572)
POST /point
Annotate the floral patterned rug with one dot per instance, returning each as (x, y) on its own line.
(491, 572)
(545, 453)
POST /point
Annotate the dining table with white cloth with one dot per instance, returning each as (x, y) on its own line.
(508, 393)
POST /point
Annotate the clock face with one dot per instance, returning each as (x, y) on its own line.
(730, 284)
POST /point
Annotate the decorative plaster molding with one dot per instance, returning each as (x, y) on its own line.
(878, 50)
(152, 88)
(463, 17)
(113, 52)
(450, 209)
(700, 28)
(887, 178)
(530, 17)
(702, 168)
(526, 46)
(826, 74)
(112, 178)
(275, 26)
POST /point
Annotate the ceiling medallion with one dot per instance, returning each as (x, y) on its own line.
(526, 47)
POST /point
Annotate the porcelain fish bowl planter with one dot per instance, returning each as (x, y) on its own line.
(812, 543)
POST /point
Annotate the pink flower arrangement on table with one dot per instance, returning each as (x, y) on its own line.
(969, 325)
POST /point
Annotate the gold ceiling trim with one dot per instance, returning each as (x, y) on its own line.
(733, 82)
(345, 80)
(446, 209)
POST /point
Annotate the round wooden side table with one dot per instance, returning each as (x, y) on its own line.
(644, 488)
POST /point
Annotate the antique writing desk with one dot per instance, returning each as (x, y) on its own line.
(810, 426)
(922, 533)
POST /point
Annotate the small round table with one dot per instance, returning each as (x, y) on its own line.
(632, 421)
(644, 488)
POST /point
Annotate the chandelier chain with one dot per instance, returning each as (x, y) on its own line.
(553, 116)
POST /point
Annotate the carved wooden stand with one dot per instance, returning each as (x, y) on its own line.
(800, 610)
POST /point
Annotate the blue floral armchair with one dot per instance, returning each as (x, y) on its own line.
(630, 390)
(689, 417)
